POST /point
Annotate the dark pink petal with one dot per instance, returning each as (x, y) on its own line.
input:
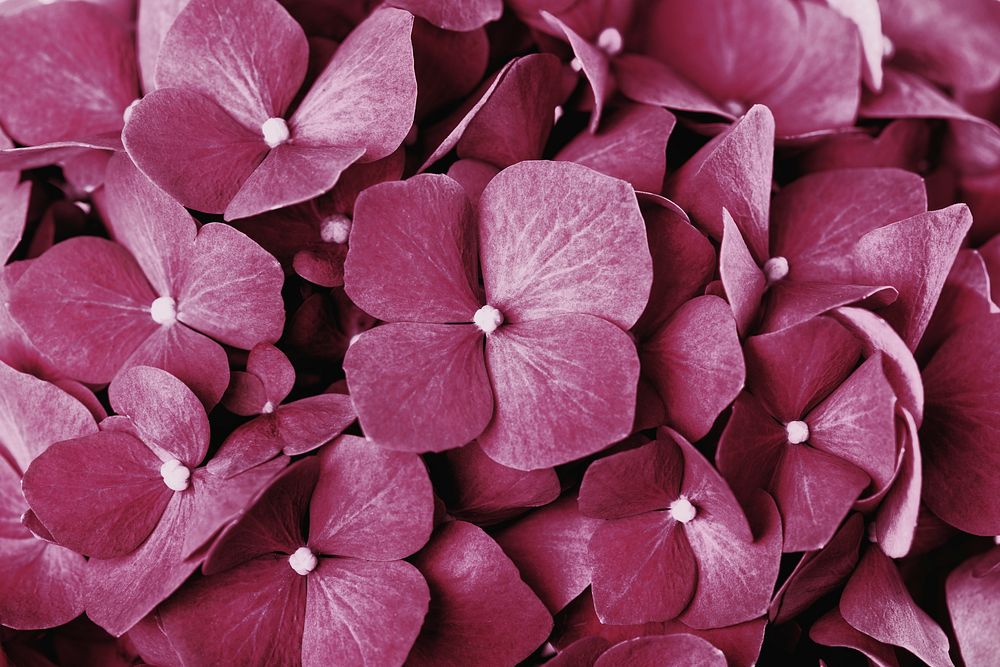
(876, 602)
(13, 208)
(647, 81)
(503, 125)
(245, 395)
(631, 146)
(679, 650)
(856, 422)
(151, 643)
(790, 302)
(959, 426)
(251, 614)
(824, 354)
(98, 285)
(366, 96)
(34, 414)
(538, 423)
(581, 653)
(167, 416)
(914, 256)
(733, 171)
(632, 482)
(420, 387)
(485, 492)
(867, 19)
(449, 65)
(974, 608)
(70, 154)
(643, 569)
(544, 230)
(191, 148)
(461, 16)
(77, 63)
(370, 503)
(231, 289)
(413, 254)
(742, 279)
(273, 369)
(549, 548)
(696, 364)
(819, 572)
(322, 265)
(363, 613)
(109, 509)
(216, 48)
(593, 64)
(896, 520)
(481, 612)
(474, 176)
(291, 173)
(815, 491)
(750, 448)
(965, 297)
(833, 630)
(823, 88)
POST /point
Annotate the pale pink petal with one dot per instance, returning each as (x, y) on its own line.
(680, 650)
(974, 608)
(832, 630)
(420, 387)
(742, 279)
(153, 20)
(544, 230)
(868, 20)
(539, 423)
(896, 520)
(593, 64)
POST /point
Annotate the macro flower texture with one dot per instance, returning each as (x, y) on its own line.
(496, 333)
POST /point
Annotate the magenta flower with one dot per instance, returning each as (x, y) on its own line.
(141, 507)
(157, 297)
(41, 584)
(313, 569)
(457, 361)
(665, 499)
(220, 134)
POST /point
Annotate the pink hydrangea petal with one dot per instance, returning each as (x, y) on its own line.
(643, 569)
(370, 503)
(681, 650)
(100, 284)
(323, 265)
(485, 492)
(291, 173)
(194, 359)
(81, 159)
(366, 96)
(474, 176)
(819, 572)
(481, 612)
(111, 507)
(742, 279)
(449, 65)
(593, 63)
(583, 651)
(750, 448)
(538, 424)
(733, 171)
(216, 48)
(856, 422)
(77, 61)
(974, 610)
(653, 471)
(413, 254)
(868, 20)
(791, 302)
(959, 425)
(814, 491)
(966, 296)
(420, 387)
(231, 289)
(461, 16)
(151, 642)
(696, 363)
(260, 605)
(276, 373)
(704, 486)
(876, 602)
(896, 520)
(153, 20)
(914, 256)
(832, 630)
(824, 352)
(13, 210)
(548, 253)
(822, 90)
(167, 416)
(245, 395)
(362, 612)
(549, 547)
(647, 81)
(191, 148)
(631, 146)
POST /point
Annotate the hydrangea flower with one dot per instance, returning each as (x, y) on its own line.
(457, 361)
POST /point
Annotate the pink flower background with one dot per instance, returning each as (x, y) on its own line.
(570, 332)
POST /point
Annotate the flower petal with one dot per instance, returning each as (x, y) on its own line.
(742, 279)
(832, 630)
(974, 611)
(680, 650)
(274, 370)
(750, 448)
(633, 482)
(647, 81)
(459, 16)
(594, 66)
(896, 520)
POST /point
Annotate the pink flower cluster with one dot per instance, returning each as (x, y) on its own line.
(569, 332)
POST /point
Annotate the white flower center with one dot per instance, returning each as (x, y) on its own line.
(129, 109)
(268, 408)
(488, 319)
(164, 310)
(682, 510)
(275, 132)
(775, 269)
(303, 561)
(335, 229)
(734, 107)
(576, 64)
(798, 432)
(175, 475)
(610, 41)
(557, 113)
(888, 48)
